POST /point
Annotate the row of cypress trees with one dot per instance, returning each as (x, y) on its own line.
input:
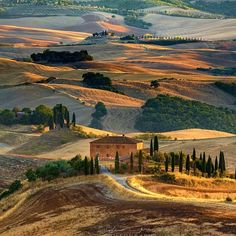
(131, 162)
(205, 165)
(91, 166)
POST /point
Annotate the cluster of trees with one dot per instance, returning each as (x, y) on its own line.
(59, 116)
(201, 165)
(49, 56)
(121, 167)
(227, 87)
(135, 21)
(100, 112)
(55, 169)
(98, 81)
(231, 71)
(165, 113)
(226, 8)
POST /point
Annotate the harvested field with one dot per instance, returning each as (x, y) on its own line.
(57, 210)
(188, 187)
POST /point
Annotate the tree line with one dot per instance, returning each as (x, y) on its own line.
(58, 116)
(197, 165)
(57, 169)
(62, 168)
(49, 56)
(166, 113)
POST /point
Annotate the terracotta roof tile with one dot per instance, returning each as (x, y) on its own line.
(117, 140)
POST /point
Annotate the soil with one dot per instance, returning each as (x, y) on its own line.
(88, 209)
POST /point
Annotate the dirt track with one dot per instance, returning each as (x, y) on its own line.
(88, 209)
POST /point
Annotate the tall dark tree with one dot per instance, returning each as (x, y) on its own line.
(151, 148)
(167, 163)
(187, 166)
(216, 165)
(67, 118)
(86, 166)
(173, 163)
(117, 163)
(51, 123)
(194, 155)
(222, 167)
(200, 156)
(73, 119)
(156, 144)
(209, 167)
(97, 168)
(181, 162)
(140, 161)
(203, 168)
(91, 168)
(131, 163)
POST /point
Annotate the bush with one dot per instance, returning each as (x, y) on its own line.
(31, 175)
(228, 199)
(166, 177)
(16, 185)
(54, 169)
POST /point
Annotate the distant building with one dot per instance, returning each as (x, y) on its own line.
(107, 147)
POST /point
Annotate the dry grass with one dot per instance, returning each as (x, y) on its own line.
(92, 96)
(189, 187)
(188, 134)
(46, 142)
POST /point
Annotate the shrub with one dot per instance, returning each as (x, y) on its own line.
(31, 175)
(16, 185)
(166, 177)
(228, 199)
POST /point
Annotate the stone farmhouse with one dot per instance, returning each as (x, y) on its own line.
(107, 147)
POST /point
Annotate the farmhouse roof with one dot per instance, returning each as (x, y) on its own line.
(116, 140)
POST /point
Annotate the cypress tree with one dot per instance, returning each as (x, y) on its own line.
(173, 163)
(91, 167)
(117, 163)
(151, 148)
(156, 144)
(222, 167)
(140, 161)
(86, 166)
(187, 167)
(51, 123)
(200, 156)
(131, 167)
(223, 161)
(73, 119)
(216, 165)
(194, 155)
(209, 167)
(67, 118)
(166, 164)
(181, 162)
(97, 169)
(204, 164)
